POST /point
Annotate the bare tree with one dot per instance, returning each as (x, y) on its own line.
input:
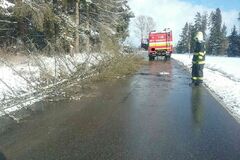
(140, 25)
(150, 24)
(144, 25)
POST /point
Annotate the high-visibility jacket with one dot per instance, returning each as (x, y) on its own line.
(199, 53)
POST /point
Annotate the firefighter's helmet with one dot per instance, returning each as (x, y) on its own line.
(199, 36)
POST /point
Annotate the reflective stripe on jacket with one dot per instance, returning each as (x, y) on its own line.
(199, 53)
(197, 78)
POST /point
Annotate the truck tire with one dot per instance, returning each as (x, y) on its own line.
(167, 57)
(151, 58)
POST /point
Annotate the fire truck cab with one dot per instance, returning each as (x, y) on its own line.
(160, 44)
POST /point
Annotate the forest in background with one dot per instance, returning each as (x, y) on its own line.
(215, 34)
(63, 25)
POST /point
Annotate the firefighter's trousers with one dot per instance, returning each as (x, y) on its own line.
(197, 73)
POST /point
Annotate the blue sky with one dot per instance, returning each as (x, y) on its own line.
(222, 4)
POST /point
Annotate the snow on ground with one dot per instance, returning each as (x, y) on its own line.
(222, 77)
(22, 80)
(5, 4)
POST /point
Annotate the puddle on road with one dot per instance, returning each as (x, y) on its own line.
(157, 74)
(162, 70)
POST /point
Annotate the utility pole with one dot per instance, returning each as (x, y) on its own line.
(77, 26)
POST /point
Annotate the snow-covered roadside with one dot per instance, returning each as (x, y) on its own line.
(28, 82)
(5, 4)
(222, 77)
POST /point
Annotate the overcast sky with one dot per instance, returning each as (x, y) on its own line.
(175, 13)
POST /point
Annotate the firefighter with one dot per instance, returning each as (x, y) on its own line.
(198, 60)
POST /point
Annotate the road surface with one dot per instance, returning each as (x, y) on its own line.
(153, 115)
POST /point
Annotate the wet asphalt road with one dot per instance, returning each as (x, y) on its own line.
(153, 115)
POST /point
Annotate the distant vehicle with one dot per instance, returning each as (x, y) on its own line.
(160, 44)
(144, 43)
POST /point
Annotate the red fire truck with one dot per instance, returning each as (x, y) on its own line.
(160, 44)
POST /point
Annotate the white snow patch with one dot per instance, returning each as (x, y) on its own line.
(222, 77)
(20, 80)
(164, 73)
(5, 4)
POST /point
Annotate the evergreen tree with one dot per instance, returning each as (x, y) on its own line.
(59, 24)
(192, 34)
(204, 22)
(224, 42)
(239, 19)
(215, 45)
(183, 43)
(234, 48)
(200, 24)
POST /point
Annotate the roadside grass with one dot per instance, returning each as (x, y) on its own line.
(63, 77)
(110, 68)
(119, 66)
(60, 77)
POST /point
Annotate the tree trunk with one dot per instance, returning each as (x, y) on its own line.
(88, 29)
(77, 26)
